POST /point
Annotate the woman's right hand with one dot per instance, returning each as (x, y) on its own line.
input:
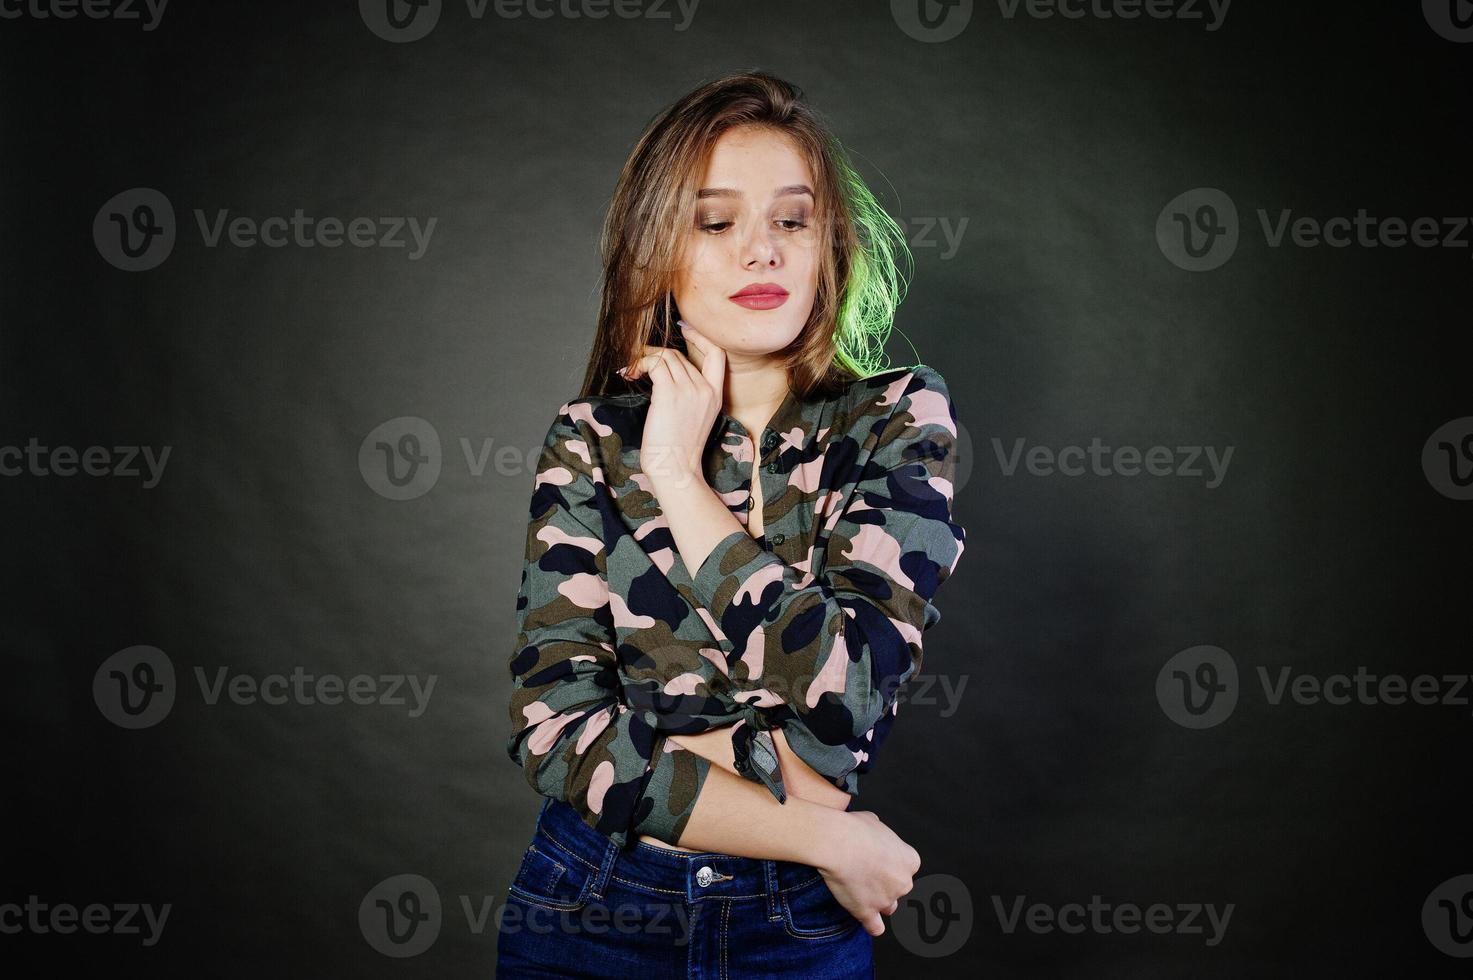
(870, 870)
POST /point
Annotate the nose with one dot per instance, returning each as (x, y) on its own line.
(760, 248)
(765, 256)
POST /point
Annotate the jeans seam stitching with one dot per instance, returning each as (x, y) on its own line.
(641, 884)
(725, 925)
(571, 852)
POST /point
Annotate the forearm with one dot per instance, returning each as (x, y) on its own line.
(799, 778)
(733, 815)
(697, 517)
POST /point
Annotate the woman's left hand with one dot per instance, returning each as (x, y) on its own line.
(683, 406)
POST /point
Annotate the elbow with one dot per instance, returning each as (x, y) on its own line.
(540, 771)
(889, 660)
(867, 712)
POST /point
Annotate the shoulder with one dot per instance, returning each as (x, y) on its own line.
(587, 430)
(918, 395)
(598, 415)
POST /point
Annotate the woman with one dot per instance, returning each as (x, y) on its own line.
(736, 533)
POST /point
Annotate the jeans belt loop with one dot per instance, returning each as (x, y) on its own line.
(600, 879)
(770, 881)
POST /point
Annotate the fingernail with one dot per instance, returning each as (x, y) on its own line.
(683, 324)
(621, 372)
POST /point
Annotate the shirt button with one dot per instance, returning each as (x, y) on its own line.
(772, 467)
(778, 538)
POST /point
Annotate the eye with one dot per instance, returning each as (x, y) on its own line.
(722, 225)
(797, 223)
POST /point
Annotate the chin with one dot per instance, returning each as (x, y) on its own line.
(762, 345)
(755, 332)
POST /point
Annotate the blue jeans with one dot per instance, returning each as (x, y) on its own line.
(581, 907)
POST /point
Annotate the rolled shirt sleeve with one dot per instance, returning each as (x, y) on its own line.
(572, 733)
(834, 646)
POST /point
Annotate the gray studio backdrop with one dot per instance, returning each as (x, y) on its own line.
(1195, 275)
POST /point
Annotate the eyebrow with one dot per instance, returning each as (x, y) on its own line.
(730, 192)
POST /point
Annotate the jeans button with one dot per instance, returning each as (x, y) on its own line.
(704, 876)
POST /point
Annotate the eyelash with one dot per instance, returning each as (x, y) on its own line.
(722, 224)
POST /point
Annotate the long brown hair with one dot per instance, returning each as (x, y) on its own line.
(645, 230)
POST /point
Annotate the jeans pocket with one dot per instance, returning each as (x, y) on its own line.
(810, 911)
(550, 878)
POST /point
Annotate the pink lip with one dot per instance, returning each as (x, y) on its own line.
(761, 296)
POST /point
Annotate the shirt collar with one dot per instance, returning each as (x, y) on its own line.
(792, 425)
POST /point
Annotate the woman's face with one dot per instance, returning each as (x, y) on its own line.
(752, 224)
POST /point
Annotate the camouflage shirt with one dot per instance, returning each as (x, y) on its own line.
(809, 627)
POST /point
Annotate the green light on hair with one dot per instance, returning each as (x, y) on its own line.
(876, 286)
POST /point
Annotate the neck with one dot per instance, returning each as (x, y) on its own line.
(755, 387)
